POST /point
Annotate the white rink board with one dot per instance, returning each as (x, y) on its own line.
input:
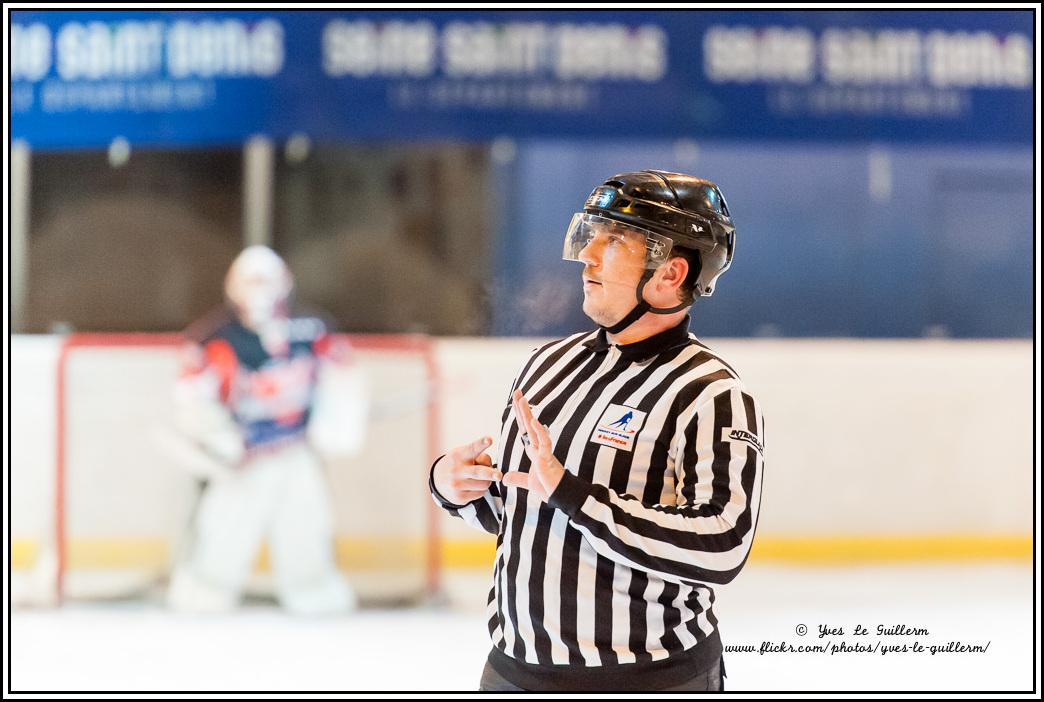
(863, 437)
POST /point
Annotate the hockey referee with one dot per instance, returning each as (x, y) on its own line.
(629, 465)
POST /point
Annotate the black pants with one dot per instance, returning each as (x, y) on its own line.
(712, 680)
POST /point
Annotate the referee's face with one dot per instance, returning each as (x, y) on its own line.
(614, 260)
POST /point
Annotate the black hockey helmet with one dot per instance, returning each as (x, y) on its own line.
(673, 210)
(688, 210)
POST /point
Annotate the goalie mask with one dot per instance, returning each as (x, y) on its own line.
(257, 285)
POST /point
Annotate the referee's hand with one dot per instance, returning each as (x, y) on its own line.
(466, 472)
(545, 471)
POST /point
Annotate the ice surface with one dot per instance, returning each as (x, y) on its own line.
(139, 646)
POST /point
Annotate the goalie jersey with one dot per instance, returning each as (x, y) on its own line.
(269, 389)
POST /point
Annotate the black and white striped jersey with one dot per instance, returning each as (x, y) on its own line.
(609, 586)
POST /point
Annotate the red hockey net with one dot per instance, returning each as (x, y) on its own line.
(122, 505)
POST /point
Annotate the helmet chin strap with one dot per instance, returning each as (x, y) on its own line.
(642, 307)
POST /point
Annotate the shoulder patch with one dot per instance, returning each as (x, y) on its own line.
(743, 436)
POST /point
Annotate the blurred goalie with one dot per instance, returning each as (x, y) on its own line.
(260, 392)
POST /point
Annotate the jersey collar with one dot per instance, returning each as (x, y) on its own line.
(646, 348)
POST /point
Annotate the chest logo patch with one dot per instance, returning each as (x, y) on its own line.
(618, 427)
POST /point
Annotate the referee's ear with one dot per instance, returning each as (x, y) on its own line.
(671, 279)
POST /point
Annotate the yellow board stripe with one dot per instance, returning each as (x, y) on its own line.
(820, 550)
(23, 553)
(869, 549)
(403, 553)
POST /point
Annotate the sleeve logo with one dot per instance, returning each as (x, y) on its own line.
(742, 435)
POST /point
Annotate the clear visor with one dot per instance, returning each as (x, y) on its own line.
(604, 237)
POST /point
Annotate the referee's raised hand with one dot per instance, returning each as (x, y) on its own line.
(466, 472)
(545, 471)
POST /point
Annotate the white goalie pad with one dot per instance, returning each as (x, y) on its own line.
(340, 413)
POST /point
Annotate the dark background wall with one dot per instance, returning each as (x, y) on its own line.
(832, 240)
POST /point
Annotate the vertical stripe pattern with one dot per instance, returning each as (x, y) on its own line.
(618, 566)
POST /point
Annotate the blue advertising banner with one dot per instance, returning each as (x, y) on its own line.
(81, 79)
